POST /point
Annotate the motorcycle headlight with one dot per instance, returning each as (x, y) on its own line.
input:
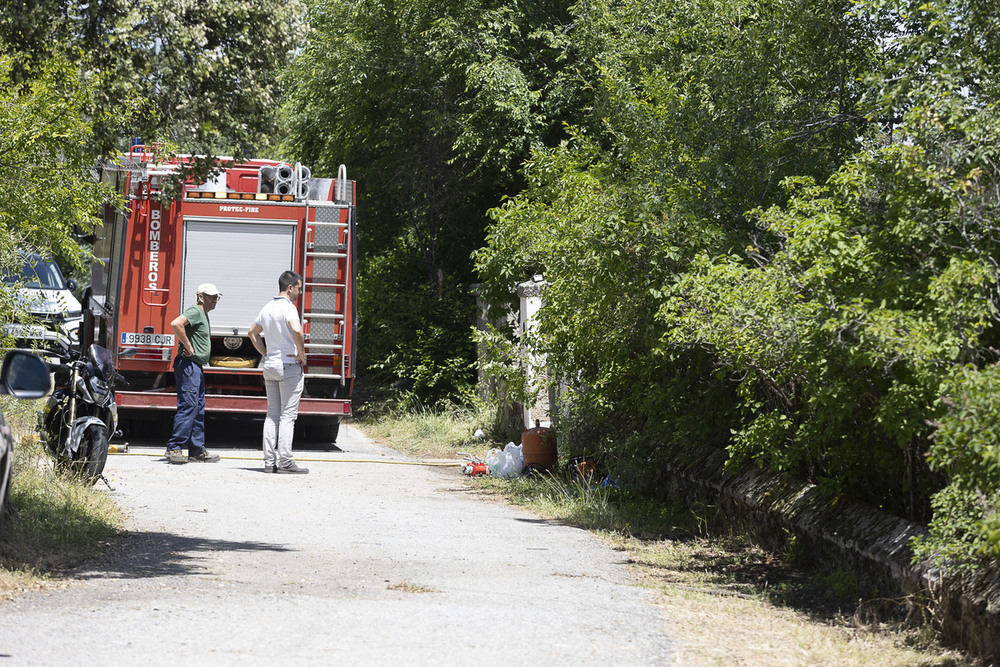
(98, 388)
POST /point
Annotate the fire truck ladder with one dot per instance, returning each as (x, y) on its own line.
(327, 258)
(143, 179)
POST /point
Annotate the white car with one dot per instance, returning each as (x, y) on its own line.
(47, 296)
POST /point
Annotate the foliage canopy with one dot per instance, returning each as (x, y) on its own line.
(51, 195)
(776, 234)
(203, 75)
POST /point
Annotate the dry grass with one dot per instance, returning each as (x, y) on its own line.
(59, 522)
(728, 603)
(719, 630)
(409, 587)
(13, 583)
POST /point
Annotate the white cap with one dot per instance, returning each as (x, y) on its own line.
(209, 289)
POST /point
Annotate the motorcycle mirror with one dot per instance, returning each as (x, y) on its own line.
(24, 375)
(127, 352)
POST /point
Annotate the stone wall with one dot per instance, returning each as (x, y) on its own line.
(873, 543)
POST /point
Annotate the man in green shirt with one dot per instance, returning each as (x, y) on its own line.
(193, 332)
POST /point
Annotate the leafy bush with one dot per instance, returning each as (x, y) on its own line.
(812, 325)
(428, 353)
(966, 447)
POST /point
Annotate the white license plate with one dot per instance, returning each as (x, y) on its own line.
(162, 340)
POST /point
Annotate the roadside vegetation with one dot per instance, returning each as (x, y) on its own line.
(421, 432)
(726, 600)
(443, 430)
(59, 522)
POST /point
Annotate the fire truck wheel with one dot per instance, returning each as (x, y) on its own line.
(147, 426)
(327, 432)
(324, 432)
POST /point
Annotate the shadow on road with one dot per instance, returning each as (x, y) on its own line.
(146, 555)
(221, 432)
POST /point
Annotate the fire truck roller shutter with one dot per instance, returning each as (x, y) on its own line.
(244, 259)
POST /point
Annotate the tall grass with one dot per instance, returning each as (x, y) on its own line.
(579, 502)
(58, 520)
(439, 431)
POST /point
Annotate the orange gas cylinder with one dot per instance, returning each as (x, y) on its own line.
(538, 446)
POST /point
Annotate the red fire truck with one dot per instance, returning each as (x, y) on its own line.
(239, 230)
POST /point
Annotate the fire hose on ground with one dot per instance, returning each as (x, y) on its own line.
(123, 450)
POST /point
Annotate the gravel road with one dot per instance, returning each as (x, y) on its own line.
(355, 563)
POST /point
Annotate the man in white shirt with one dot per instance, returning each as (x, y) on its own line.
(277, 335)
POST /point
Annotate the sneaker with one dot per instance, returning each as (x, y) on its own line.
(205, 457)
(271, 468)
(176, 456)
(292, 469)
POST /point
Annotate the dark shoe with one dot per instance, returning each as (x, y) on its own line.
(271, 468)
(176, 456)
(205, 457)
(293, 469)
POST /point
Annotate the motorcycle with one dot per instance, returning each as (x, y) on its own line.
(82, 414)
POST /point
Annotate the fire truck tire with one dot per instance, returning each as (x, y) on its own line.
(150, 425)
(324, 432)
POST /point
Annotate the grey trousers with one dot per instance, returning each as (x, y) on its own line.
(282, 408)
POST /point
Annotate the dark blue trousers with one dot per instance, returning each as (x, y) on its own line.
(189, 420)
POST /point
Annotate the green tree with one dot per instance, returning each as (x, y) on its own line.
(204, 75)
(872, 310)
(701, 109)
(945, 76)
(50, 193)
(432, 106)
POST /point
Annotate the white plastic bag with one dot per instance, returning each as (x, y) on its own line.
(507, 463)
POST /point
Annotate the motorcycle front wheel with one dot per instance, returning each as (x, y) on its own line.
(92, 454)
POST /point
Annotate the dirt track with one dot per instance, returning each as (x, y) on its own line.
(363, 563)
